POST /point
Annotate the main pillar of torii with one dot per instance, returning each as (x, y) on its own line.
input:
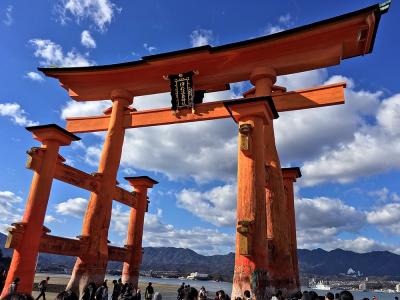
(92, 266)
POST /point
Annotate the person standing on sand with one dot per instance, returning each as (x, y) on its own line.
(43, 288)
(138, 294)
(116, 290)
(148, 294)
(102, 291)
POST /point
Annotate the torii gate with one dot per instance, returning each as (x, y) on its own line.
(266, 256)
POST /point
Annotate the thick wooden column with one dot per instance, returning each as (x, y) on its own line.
(24, 258)
(250, 271)
(289, 177)
(91, 267)
(130, 271)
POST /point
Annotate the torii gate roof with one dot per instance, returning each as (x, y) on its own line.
(317, 45)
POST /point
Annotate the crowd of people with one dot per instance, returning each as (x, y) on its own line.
(127, 291)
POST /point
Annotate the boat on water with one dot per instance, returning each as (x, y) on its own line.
(320, 285)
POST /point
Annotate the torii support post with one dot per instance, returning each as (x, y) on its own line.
(91, 266)
(130, 271)
(289, 177)
(279, 263)
(31, 228)
(251, 272)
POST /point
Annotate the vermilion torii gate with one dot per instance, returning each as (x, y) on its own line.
(266, 256)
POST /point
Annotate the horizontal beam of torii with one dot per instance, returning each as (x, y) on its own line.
(301, 99)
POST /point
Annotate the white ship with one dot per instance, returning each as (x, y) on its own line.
(197, 276)
(320, 285)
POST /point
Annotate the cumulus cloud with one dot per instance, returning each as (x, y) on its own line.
(321, 221)
(16, 114)
(8, 18)
(81, 109)
(386, 218)
(216, 206)
(101, 12)
(75, 207)
(52, 54)
(8, 210)
(87, 40)
(201, 37)
(157, 234)
(34, 76)
(328, 214)
(362, 154)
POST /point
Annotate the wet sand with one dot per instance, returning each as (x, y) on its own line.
(57, 284)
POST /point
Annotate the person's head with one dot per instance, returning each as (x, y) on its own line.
(278, 293)
(18, 296)
(329, 296)
(336, 295)
(221, 294)
(150, 283)
(67, 295)
(247, 293)
(346, 295)
(114, 281)
(313, 295)
(119, 280)
(47, 278)
(298, 295)
(17, 280)
(105, 283)
(193, 294)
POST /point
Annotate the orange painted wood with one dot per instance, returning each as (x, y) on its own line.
(317, 45)
(79, 178)
(308, 98)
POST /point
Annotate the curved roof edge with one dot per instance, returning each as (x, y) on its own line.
(378, 9)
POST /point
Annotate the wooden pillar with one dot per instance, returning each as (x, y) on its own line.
(91, 267)
(250, 271)
(279, 264)
(130, 271)
(289, 177)
(24, 258)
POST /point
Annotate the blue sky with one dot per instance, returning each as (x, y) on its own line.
(349, 196)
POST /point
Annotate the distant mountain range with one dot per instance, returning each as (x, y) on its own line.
(316, 262)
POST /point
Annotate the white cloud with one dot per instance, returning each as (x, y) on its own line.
(87, 39)
(209, 147)
(8, 210)
(284, 22)
(149, 48)
(75, 207)
(321, 221)
(329, 215)
(373, 148)
(52, 54)
(201, 37)
(17, 115)
(101, 12)
(82, 109)
(157, 234)
(34, 76)
(285, 19)
(216, 206)
(382, 195)
(386, 218)
(8, 20)
(49, 219)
